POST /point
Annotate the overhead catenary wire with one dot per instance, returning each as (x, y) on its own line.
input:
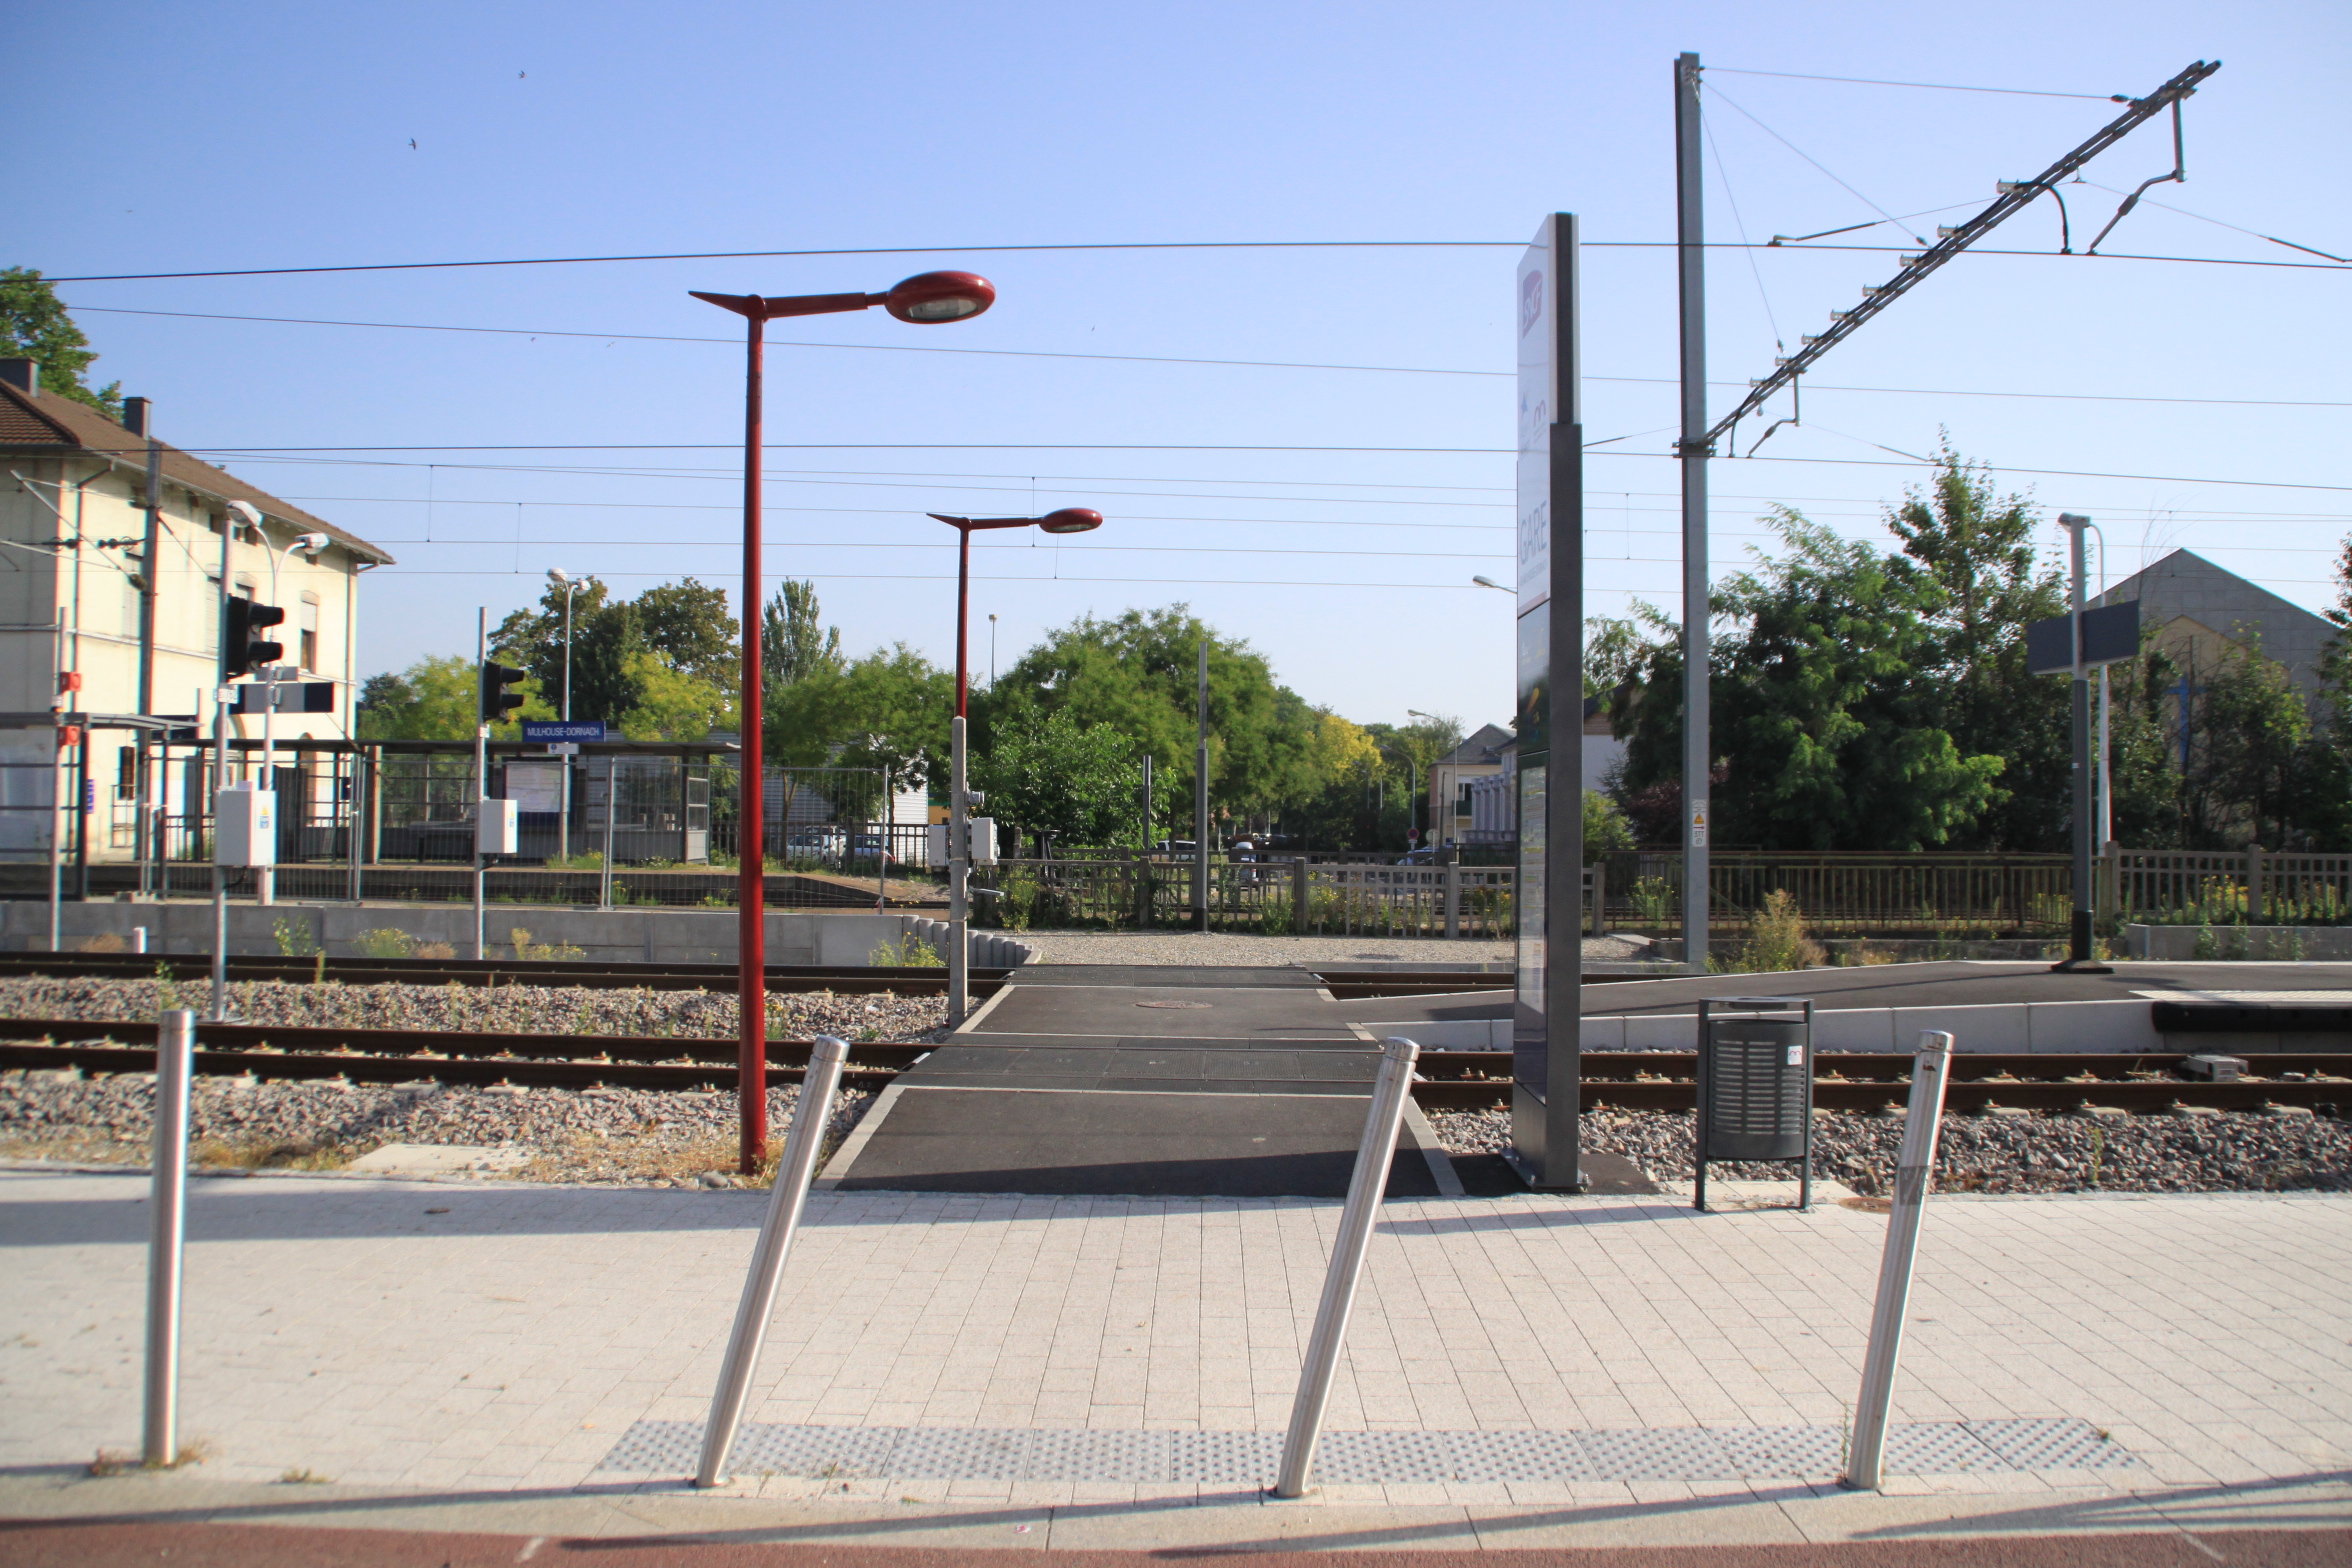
(984, 250)
(1940, 87)
(1170, 359)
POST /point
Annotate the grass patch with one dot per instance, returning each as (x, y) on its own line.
(266, 1152)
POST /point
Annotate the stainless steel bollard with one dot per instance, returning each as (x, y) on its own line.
(793, 1173)
(1914, 1169)
(1382, 1122)
(175, 1052)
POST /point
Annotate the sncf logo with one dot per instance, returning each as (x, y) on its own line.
(1530, 302)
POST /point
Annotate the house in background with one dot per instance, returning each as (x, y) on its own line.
(1488, 812)
(2198, 610)
(81, 599)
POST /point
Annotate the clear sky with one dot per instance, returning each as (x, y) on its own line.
(188, 137)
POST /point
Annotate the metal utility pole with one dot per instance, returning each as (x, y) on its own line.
(1200, 804)
(1696, 442)
(151, 548)
(2079, 955)
(481, 764)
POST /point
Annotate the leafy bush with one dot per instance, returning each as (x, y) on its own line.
(528, 950)
(1653, 900)
(911, 953)
(384, 942)
(1776, 938)
(294, 937)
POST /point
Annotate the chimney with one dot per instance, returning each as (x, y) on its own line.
(22, 374)
(135, 411)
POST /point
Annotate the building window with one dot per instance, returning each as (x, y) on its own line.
(309, 628)
(126, 773)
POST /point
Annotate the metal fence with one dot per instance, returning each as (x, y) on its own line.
(2228, 887)
(1293, 897)
(1845, 894)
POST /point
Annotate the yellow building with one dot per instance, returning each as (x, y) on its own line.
(80, 597)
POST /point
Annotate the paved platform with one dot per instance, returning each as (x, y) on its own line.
(959, 1373)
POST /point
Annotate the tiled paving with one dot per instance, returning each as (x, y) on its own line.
(1556, 1345)
(1694, 1453)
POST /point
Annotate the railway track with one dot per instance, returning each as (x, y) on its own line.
(1448, 1080)
(601, 975)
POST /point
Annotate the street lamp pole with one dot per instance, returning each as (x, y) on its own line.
(929, 298)
(1069, 520)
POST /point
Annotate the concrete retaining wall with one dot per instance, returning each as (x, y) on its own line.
(623, 936)
(2259, 944)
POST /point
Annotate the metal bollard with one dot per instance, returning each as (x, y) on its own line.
(175, 1051)
(1382, 1122)
(793, 1173)
(1914, 1169)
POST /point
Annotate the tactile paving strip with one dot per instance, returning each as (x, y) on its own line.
(1689, 1453)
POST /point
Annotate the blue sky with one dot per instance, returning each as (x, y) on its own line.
(233, 136)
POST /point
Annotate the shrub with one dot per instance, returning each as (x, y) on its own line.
(911, 953)
(526, 949)
(294, 938)
(1776, 938)
(385, 942)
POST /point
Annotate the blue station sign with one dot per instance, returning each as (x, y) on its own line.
(561, 730)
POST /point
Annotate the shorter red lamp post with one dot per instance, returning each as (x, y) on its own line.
(1069, 520)
(925, 300)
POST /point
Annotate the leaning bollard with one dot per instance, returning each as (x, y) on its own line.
(793, 1173)
(175, 1052)
(1381, 1125)
(1914, 1169)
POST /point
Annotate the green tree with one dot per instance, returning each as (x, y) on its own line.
(1050, 772)
(893, 693)
(1137, 674)
(673, 705)
(532, 640)
(794, 641)
(34, 325)
(1976, 551)
(2327, 774)
(437, 699)
(2254, 728)
(687, 624)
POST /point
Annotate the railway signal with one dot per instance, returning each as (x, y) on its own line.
(498, 697)
(244, 651)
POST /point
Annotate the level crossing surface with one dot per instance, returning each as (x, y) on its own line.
(1159, 1081)
(1965, 983)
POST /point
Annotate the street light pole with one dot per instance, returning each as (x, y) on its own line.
(929, 298)
(1069, 520)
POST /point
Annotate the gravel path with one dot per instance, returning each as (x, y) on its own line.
(1241, 949)
(2230, 1152)
(504, 1009)
(629, 1137)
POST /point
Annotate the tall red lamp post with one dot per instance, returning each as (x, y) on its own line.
(929, 299)
(1069, 520)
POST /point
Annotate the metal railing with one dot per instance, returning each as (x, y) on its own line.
(1850, 894)
(2227, 887)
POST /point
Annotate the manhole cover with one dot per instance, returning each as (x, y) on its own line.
(1175, 1004)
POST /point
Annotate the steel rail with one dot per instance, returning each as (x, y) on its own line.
(1445, 1080)
(906, 981)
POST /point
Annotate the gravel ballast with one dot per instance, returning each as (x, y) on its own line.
(2225, 1152)
(518, 1009)
(637, 1137)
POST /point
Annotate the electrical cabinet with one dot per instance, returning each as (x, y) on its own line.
(246, 831)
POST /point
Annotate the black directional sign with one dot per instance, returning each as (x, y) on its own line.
(2110, 633)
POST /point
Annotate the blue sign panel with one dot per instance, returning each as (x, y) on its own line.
(558, 730)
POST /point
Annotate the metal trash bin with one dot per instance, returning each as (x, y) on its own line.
(1756, 1086)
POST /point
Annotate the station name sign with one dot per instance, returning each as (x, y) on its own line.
(563, 730)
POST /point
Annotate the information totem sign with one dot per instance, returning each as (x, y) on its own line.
(1545, 1072)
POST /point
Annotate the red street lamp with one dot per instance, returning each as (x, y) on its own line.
(924, 300)
(1069, 520)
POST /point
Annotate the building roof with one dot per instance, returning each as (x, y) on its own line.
(2186, 584)
(45, 424)
(1483, 747)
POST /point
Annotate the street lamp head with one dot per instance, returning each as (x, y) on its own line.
(558, 576)
(1488, 582)
(1071, 520)
(311, 544)
(247, 513)
(929, 298)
